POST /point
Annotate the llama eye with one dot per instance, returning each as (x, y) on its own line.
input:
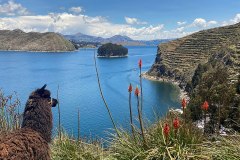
(51, 101)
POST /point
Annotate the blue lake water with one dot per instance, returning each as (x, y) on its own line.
(74, 72)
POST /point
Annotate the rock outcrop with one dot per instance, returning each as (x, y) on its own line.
(179, 58)
(33, 41)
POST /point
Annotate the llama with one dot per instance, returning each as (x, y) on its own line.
(30, 142)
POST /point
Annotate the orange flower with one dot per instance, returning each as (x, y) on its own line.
(184, 103)
(140, 63)
(205, 106)
(166, 130)
(130, 88)
(176, 123)
(137, 91)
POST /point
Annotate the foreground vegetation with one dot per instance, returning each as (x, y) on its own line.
(184, 141)
(189, 144)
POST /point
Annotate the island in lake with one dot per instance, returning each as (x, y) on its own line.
(18, 40)
(110, 50)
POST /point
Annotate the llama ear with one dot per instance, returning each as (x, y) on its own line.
(45, 85)
(54, 102)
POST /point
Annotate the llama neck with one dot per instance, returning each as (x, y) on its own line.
(38, 116)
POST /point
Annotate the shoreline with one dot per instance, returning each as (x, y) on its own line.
(183, 93)
(36, 51)
(112, 56)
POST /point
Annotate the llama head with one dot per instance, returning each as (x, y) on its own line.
(44, 94)
(38, 113)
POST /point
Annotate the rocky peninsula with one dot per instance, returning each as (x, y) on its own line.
(18, 40)
(178, 59)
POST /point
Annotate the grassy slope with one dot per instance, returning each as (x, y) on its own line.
(179, 58)
(188, 144)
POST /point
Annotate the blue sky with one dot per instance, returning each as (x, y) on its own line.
(138, 19)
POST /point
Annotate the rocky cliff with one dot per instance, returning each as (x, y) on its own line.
(33, 41)
(179, 58)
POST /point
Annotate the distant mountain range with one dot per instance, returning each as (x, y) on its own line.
(117, 39)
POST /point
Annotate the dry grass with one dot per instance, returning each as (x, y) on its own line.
(70, 149)
(10, 119)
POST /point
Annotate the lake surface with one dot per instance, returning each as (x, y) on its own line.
(74, 72)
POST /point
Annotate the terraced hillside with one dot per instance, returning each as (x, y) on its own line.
(33, 41)
(179, 58)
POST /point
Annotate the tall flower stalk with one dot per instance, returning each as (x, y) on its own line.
(59, 116)
(166, 131)
(140, 115)
(130, 109)
(184, 105)
(176, 125)
(105, 103)
(219, 119)
(205, 107)
(140, 77)
(78, 125)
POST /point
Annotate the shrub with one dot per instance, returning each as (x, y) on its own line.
(10, 118)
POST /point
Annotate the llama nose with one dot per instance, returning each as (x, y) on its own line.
(54, 102)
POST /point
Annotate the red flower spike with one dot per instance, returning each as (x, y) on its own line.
(176, 123)
(130, 88)
(205, 106)
(140, 63)
(137, 92)
(166, 130)
(184, 103)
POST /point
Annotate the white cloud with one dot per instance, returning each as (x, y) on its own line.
(199, 22)
(67, 23)
(91, 20)
(212, 23)
(181, 23)
(174, 34)
(11, 9)
(133, 21)
(202, 23)
(180, 29)
(76, 10)
(235, 20)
